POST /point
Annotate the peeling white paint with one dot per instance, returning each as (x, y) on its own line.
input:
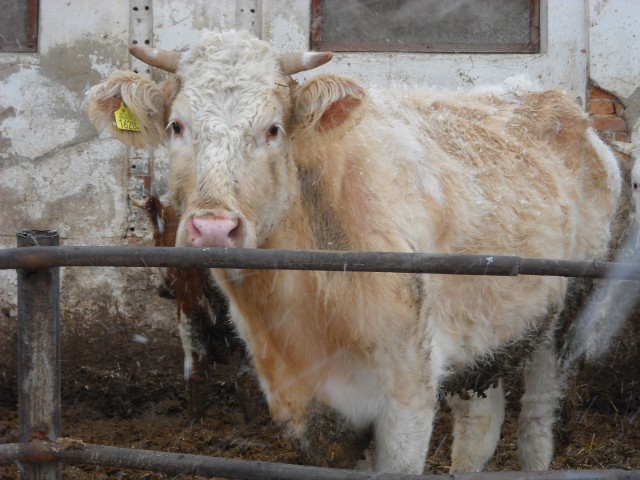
(614, 44)
(37, 126)
(104, 66)
(79, 191)
(177, 23)
(64, 23)
(614, 47)
(286, 35)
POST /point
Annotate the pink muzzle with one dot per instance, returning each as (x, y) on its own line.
(217, 229)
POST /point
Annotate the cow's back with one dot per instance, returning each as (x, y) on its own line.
(508, 174)
(514, 173)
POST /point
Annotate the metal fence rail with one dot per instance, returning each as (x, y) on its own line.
(70, 451)
(185, 257)
(40, 451)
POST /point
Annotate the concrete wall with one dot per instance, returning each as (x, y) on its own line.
(57, 173)
(614, 59)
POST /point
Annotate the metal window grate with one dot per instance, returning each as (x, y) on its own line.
(434, 26)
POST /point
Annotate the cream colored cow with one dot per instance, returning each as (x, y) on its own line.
(260, 161)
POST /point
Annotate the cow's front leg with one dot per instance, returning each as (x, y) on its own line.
(402, 433)
(476, 429)
(543, 391)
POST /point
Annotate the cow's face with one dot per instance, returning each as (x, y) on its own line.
(228, 136)
(228, 117)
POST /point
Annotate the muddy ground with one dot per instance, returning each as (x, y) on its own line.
(116, 391)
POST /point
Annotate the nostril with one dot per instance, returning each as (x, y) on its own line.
(236, 233)
(193, 231)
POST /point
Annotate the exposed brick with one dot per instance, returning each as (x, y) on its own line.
(618, 107)
(609, 123)
(601, 107)
(621, 137)
(596, 92)
(603, 136)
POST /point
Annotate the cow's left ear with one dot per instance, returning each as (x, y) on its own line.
(328, 103)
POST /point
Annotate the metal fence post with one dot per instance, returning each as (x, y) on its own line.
(39, 353)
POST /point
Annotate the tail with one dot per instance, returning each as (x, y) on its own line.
(611, 301)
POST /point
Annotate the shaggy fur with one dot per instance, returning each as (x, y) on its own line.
(263, 162)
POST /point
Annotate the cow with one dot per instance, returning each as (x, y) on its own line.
(261, 161)
(202, 309)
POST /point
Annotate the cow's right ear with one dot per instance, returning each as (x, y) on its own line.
(130, 107)
(328, 103)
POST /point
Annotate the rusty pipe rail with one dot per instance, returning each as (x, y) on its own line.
(39, 381)
(38, 292)
(77, 452)
(184, 257)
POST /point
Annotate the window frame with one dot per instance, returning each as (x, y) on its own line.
(31, 43)
(532, 46)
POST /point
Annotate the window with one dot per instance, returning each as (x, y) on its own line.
(19, 25)
(449, 26)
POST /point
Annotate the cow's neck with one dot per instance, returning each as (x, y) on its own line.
(322, 211)
(328, 201)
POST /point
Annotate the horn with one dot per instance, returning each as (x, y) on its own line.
(164, 59)
(299, 62)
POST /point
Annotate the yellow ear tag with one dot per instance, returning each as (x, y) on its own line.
(125, 119)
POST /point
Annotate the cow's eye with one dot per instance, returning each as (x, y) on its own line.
(273, 132)
(175, 126)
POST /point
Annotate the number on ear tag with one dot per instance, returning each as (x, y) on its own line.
(125, 119)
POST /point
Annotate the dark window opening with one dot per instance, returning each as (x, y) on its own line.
(447, 26)
(19, 26)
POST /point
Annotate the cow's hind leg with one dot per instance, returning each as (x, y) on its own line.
(543, 391)
(476, 429)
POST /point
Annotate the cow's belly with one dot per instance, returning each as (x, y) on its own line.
(485, 370)
(353, 389)
(476, 316)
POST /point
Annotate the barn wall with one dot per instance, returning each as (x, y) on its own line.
(562, 62)
(614, 94)
(614, 61)
(56, 172)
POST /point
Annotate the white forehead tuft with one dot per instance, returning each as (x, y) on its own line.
(230, 58)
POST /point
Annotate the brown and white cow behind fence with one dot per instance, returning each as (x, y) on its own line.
(202, 308)
(260, 161)
(206, 335)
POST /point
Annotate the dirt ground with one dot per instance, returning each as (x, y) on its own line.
(118, 392)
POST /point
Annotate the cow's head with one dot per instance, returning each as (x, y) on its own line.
(228, 116)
